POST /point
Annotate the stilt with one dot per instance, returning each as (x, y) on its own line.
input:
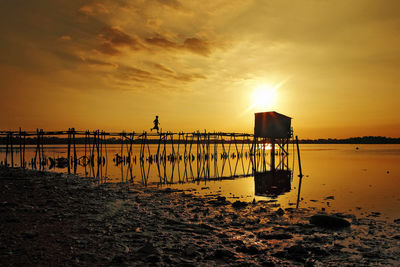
(20, 147)
(69, 150)
(298, 156)
(12, 150)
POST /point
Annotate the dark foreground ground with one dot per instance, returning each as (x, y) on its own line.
(54, 219)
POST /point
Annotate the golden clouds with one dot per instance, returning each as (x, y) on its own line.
(198, 46)
(93, 9)
(113, 39)
(342, 53)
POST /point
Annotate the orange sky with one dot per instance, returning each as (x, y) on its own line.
(334, 66)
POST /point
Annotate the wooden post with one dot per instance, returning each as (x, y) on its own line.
(23, 155)
(98, 146)
(93, 147)
(158, 147)
(185, 142)
(69, 150)
(42, 143)
(101, 147)
(86, 134)
(74, 143)
(12, 150)
(39, 149)
(172, 145)
(254, 150)
(20, 147)
(298, 155)
(209, 158)
(190, 148)
(148, 147)
(105, 150)
(7, 141)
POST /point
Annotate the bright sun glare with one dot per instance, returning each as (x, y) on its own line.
(264, 97)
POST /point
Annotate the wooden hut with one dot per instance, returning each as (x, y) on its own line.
(272, 125)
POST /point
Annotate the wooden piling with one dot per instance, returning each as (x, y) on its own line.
(20, 147)
(74, 144)
(298, 156)
(12, 151)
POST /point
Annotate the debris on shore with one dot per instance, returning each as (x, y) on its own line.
(60, 219)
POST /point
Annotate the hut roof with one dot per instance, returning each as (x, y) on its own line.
(274, 114)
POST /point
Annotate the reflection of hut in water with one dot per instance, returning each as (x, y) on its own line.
(272, 183)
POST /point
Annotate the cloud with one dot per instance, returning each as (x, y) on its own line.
(161, 42)
(171, 3)
(113, 38)
(65, 38)
(163, 68)
(97, 62)
(188, 77)
(136, 74)
(197, 46)
(194, 45)
(94, 9)
(183, 77)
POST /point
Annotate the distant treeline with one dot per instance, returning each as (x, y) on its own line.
(108, 140)
(354, 140)
(113, 140)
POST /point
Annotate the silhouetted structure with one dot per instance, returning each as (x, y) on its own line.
(272, 128)
(272, 125)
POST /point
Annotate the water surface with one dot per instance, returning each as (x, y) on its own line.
(358, 179)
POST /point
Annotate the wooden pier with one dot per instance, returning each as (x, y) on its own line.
(201, 146)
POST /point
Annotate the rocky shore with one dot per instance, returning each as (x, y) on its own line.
(63, 220)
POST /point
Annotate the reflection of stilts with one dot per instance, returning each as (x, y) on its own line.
(300, 172)
(298, 192)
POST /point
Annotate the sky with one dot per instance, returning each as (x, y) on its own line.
(333, 66)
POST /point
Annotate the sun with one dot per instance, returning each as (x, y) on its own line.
(264, 97)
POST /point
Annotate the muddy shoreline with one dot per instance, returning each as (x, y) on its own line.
(59, 219)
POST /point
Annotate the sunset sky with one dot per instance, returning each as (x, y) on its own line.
(333, 66)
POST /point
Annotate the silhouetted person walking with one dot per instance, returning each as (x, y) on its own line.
(156, 123)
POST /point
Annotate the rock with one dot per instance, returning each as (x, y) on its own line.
(297, 252)
(297, 249)
(190, 251)
(219, 198)
(276, 236)
(330, 197)
(153, 258)
(239, 204)
(371, 254)
(166, 190)
(374, 214)
(397, 220)
(29, 234)
(329, 221)
(219, 201)
(280, 212)
(318, 251)
(148, 249)
(118, 260)
(252, 250)
(223, 253)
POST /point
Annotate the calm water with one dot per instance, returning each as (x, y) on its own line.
(339, 178)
